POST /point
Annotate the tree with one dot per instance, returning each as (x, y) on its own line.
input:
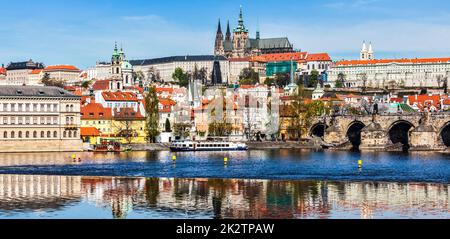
(47, 81)
(269, 81)
(124, 127)
(313, 79)
(220, 129)
(248, 76)
(303, 113)
(282, 80)
(181, 77)
(86, 84)
(168, 128)
(152, 111)
(181, 130)
(340, 80)
(153, 75)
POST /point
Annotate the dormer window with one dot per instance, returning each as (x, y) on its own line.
(19, 92)
(41, 92)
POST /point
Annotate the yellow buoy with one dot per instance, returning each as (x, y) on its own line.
(174, 158)
(74, 156)
(360, 163)
(225, 160)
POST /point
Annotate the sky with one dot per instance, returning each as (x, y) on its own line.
(82, 32)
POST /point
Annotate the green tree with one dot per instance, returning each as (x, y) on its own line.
(47, 81)
(282, 80)
(152, 111)
(86, 84)
(269, 81)
(313, 79)
(168, 128)
(248, 76)
(181, 130)
(181, 77)
(220, 129)
(340, 80)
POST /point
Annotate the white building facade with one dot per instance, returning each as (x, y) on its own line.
(39, 119)
(429, 72)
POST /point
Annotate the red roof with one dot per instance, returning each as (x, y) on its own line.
(387, 61)
(424, 100)
(90, 131)
(164, 90)
(2, 71)
(168, 102)
(95, 111)
(244, 59)
(127, 113)
(119, 96)
(101, 85)
(61, 68)
(318, 57)
(295, 56)
(396, 100)
(35, 72)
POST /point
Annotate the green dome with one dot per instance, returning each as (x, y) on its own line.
(126, 65)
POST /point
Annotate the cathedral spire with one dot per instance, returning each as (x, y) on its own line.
(219, 28)
(258, 34)
(228, 36)
(241, 26)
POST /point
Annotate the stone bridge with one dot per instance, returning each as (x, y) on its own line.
(416, 132)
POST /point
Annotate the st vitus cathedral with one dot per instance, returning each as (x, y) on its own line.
(240, 44)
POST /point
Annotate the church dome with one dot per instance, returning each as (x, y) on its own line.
(126, 65)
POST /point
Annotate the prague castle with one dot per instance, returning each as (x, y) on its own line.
(241, 45)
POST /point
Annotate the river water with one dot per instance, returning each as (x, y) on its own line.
(254, 184)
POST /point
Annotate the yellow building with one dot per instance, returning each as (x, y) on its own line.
(124, 125)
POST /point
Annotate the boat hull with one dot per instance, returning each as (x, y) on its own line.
(206, 150)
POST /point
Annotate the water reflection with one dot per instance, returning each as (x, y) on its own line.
(25, 196)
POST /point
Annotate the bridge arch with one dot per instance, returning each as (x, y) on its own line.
(399, 132)
(444, 134)
(318, 130)
(354, 133)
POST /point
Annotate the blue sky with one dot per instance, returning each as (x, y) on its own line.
(80, 32)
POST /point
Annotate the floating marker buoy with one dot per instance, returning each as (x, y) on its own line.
(174, 158)
(225, 160)
(360, 163)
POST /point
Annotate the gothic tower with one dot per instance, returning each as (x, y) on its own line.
(218, 48)
(228, 36)
(240, 38)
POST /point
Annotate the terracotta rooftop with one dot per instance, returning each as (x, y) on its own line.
(318, 57)
(62, 68)
(296, 56)
(119, 96)
(95, 111)
(101, 85)
(90, 131)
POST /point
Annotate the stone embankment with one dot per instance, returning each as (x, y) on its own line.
(282, 145)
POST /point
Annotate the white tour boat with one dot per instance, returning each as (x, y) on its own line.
(207, 146)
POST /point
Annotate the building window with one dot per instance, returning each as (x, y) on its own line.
(49, 120)
(70, 134)
(55, 108)
(65, 134)
(34, 134)
(27, 134)
(55, 120)
(49, 134)
(27, 120)
(35, 120)
(35, 107)
(55, 134)
(67, 108)
(13, 120)
(13, 134)
(71, 108)
(5, 135)
(20, 134)
(27, 107)
(42, 120)
(20, 120)
(5, 120)
(42, 134)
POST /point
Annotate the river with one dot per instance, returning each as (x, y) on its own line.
(253, 184)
